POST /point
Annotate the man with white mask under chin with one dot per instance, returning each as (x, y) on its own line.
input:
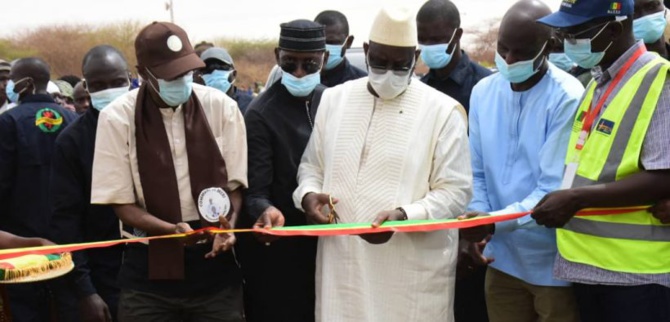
(386, 148)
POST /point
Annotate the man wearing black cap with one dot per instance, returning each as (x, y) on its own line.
(279, 276)
(337, 69)
(162, 152)
(220, 73)
(618, 156)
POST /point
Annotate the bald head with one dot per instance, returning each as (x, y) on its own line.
(520, 22)
(104, 67)
(103, 58)
(34, 68)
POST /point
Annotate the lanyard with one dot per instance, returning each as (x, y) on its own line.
(592, 113)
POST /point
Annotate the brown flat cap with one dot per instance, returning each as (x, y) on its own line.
(164, 48)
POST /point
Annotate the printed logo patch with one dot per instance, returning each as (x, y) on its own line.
(568, 3)
(615, 8)
(48, 120)
(605, 126)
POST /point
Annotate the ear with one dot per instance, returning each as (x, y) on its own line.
(277, 55)
(417, 53)
(458, 35)
(366, 46)
(615, 30)
(348, 42)
(553, 44)
(326, 54)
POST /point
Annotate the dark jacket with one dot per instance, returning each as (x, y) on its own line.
(341, 73)
(27, 137)
(75, 220)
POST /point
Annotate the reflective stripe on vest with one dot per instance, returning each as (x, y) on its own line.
(612, 152)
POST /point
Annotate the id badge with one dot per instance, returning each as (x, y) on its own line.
(569, 176)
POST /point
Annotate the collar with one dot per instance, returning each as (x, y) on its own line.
(38, 98)
(459, 73)
(601, 77)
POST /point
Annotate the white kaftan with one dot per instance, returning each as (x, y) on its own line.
(377, 155)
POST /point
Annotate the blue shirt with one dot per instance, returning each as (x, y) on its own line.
(518, 142)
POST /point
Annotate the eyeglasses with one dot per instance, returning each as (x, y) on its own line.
(398, 71)
(310, 66)
(571, 37)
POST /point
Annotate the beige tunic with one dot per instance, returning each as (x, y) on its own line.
(376, 155)
(116, 179)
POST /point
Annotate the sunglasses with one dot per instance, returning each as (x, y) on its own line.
(309, 66)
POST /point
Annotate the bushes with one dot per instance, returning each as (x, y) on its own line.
(64, 46)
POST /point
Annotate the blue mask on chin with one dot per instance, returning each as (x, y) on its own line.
(218, 79)
(580, 51)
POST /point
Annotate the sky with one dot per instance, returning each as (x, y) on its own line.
(210, 19)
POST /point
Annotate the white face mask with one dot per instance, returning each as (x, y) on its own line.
(390, 84)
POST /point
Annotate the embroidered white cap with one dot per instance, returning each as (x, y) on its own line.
(395, 26)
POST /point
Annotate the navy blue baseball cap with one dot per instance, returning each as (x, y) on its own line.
(577, 12)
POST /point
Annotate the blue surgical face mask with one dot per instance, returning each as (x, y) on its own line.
(650, 28)
(300, 87)
(334, 56)
(436, 56)
(175, 92)
(520, 71)
(101, 99)
(579, 51)
(218, 79)
(561, 61)
(12, 96)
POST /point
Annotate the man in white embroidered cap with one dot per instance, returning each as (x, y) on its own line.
(386, 147)
(162, 152)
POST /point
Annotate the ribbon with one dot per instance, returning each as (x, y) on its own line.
(407, 226)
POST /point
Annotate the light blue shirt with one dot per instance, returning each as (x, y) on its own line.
(518, 142)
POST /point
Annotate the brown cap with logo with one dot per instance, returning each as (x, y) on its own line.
(164, 48)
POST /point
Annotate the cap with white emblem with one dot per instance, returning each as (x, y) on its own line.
(165, 50)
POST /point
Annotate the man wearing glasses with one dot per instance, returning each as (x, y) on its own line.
(386, 148)
(220, 73)
(279, 274)
(618, 156)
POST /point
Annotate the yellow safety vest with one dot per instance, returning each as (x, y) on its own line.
(634, 242)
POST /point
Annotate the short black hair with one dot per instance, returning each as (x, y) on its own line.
(99, 52)
(71, 79)
(203, 43)
(440, 10)
(36, 68)
(332, 17)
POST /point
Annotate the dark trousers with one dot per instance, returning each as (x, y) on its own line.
(603, 303)
(42, 302)
(469, 299)
(224, 306)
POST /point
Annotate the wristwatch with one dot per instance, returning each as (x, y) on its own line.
(404, 214)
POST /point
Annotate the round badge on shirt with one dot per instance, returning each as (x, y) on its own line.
(212, 203)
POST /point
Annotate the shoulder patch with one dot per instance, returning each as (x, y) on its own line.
(605, 126)
(48, 120)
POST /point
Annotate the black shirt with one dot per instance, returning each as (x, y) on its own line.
(341, 73)
(278, 128)
(74, 218)
(458, 85)
(27, 137)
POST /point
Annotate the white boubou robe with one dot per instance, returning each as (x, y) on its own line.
(375, 155)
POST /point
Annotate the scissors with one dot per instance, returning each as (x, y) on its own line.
(333, 217)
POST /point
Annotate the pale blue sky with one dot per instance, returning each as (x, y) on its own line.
(206, 19)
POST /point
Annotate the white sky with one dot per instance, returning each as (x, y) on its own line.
(207, 19)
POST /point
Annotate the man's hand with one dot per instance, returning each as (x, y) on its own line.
(556, 208)
(476, 251)
(271, 217)
(381, 238)
(223, 242)
(313, 203)
(93, 309)
(661, 211)
(478, 233)
(192, 239)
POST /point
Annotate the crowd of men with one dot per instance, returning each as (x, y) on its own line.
(575, 117)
